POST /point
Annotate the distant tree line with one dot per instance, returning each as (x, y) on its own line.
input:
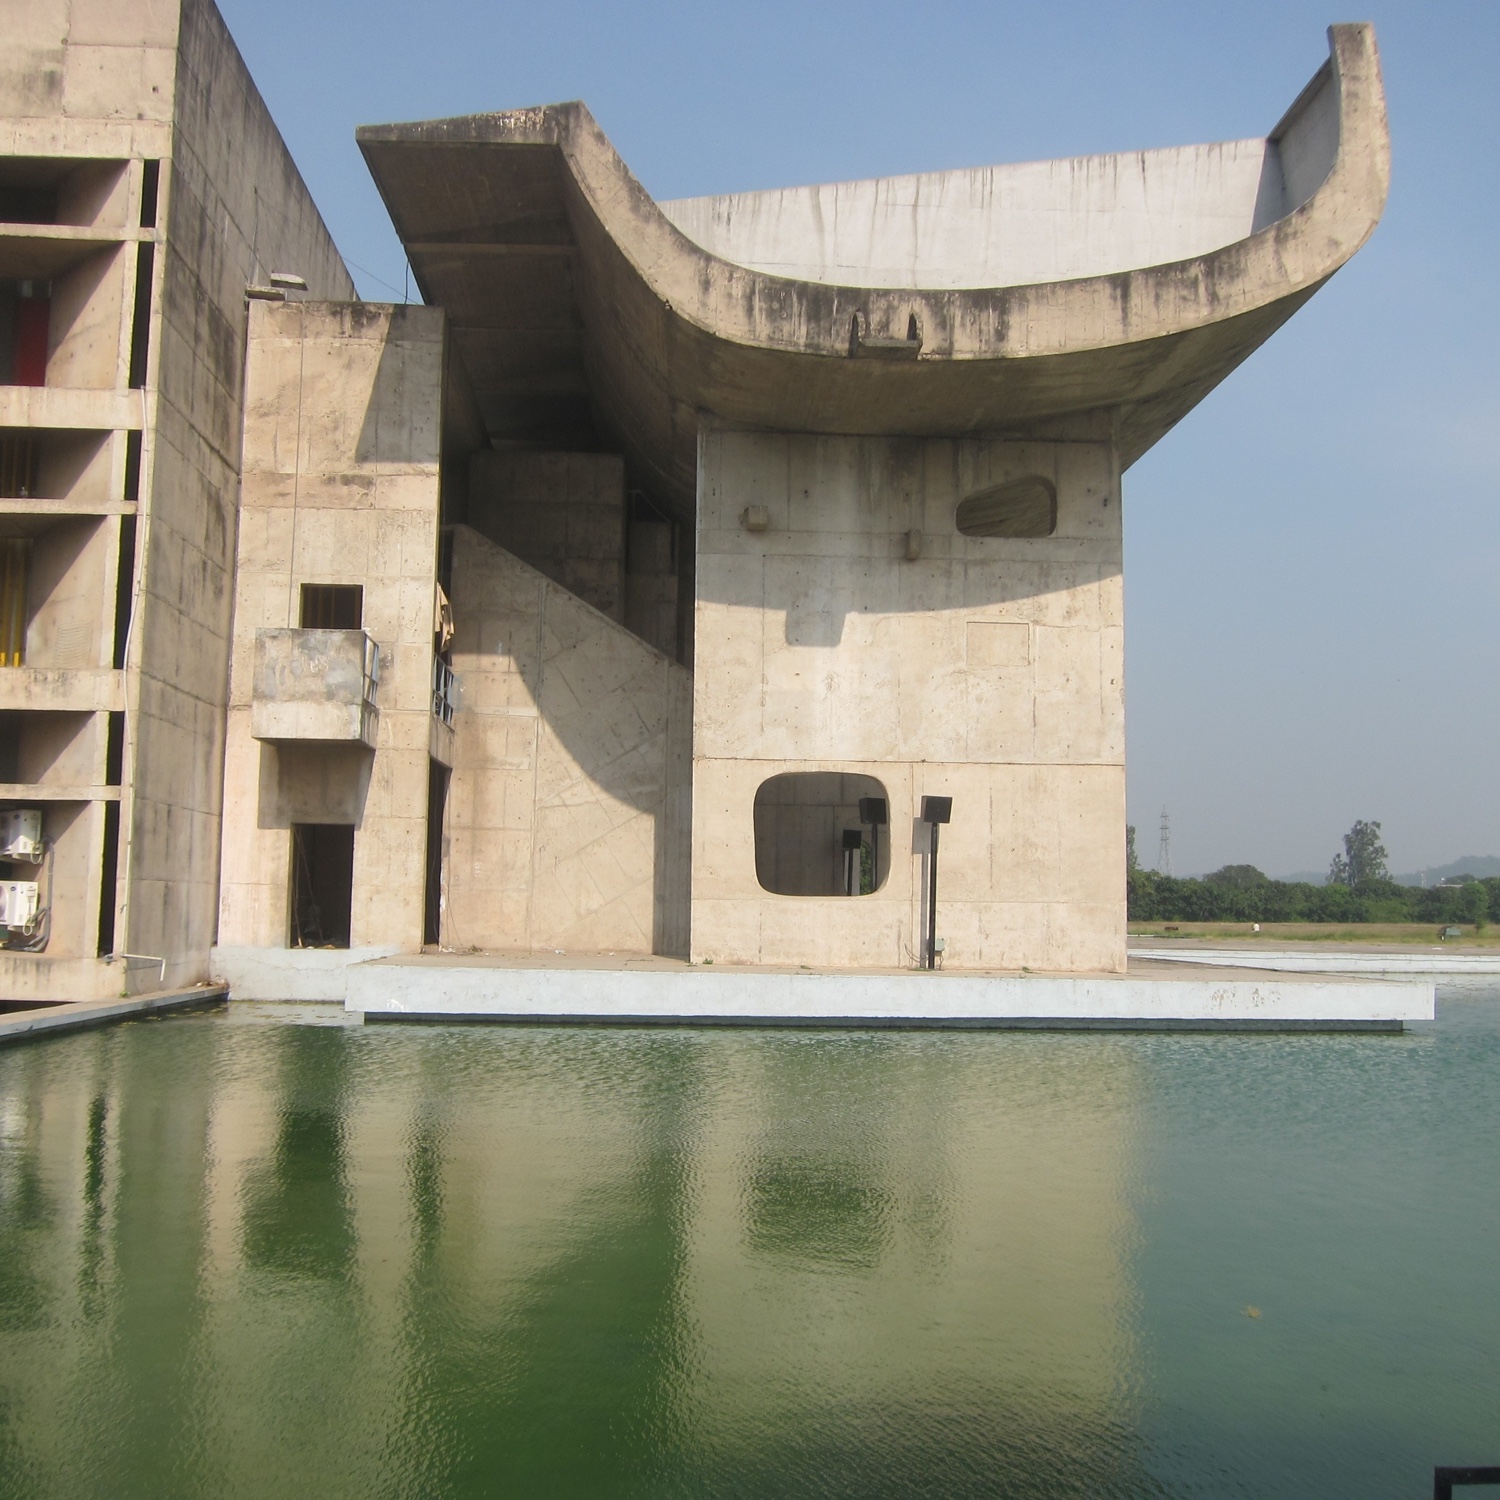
(1359, 889)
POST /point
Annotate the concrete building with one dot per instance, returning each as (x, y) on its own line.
(143, 186)
(631, 595)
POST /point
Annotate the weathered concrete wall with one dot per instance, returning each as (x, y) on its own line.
(87, 77)
(85, 81)
(115, 86)
(988, 670)
(70, 596)
(1009, 225)
(564, 513)
(569, 806)
(651, 585)
(234, 208)
(341, 455)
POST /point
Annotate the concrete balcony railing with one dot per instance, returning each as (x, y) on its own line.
(315, 685)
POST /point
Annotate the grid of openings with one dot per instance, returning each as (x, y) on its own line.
(61, 303)
(332, 606)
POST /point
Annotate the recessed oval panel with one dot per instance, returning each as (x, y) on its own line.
(1019, 507)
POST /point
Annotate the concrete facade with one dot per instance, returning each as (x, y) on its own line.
(987, 669)
(569, 817)
(158, 188)
(629, 596)
(340, 487)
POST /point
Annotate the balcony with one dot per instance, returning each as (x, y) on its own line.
(315, 685)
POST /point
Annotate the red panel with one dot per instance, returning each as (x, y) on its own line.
(33, 316)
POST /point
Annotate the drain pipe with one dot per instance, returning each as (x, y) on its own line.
(145, 958)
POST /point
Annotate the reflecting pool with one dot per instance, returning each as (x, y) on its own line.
(259, 1252)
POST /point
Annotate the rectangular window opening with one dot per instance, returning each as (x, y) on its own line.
(124, 588)
(10, 747)
(114, 750)
(333, 606)
(25, 324)
(322, 885)
(15, 557)
(18, 465)
(150, 187)
(109, 876)
(140, 326)
(437, 801)
(133, 467)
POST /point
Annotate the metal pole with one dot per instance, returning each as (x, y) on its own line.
(932, 899)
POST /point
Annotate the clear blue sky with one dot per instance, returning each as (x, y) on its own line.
(1313, 557)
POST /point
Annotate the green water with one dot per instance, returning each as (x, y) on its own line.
(244, 1257)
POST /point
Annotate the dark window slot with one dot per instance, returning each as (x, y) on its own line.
(114, 750)
(110, 875)
(140, 326)
(133, 467)
(322, 885)
(10, 747)
(437, 801)
(15, 560)
(18, 465)
(332, 606)
(23, 204)
(25, 322)
(124, 583)
(150, 187)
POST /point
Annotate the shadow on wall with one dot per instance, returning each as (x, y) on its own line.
(572, 732)
(816, 529)
(313, 783)
(391, 432)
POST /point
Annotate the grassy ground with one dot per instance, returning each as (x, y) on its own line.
(1318, 932)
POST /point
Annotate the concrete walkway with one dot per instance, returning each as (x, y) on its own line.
(1320, 959)
(17, 1025)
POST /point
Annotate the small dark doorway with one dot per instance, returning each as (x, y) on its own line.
(332, 606)
(437, 801)
(322, 884)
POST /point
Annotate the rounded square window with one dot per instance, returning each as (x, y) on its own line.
(822, 833)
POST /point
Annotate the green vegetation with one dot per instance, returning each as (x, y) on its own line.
(1161, 898)
(1359, 889)
(1363, 859)
(1279, 934)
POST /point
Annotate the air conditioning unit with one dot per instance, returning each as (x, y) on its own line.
(21, 834)
(20, 901)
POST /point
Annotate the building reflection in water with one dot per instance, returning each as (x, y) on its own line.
(246, 1259)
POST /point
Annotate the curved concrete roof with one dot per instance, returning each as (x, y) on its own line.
(1068, 299)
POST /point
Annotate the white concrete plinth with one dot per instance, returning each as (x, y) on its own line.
(289, 973)
(664, 993)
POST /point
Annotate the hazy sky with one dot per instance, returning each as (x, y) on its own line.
(1312, 557)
